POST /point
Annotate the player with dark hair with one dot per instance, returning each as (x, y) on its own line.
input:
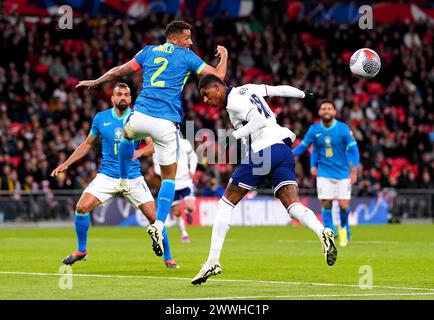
(269, 155)
(107, 125)
(158, 109)
(334, 161)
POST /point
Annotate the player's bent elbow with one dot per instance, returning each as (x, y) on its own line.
(259, 121)
(221, 74)
(215, 71)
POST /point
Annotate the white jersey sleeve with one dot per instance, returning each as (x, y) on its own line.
(156, 164)
(192, 157)
(187, 162)
(183, 179)
(284, 91)
(255, 122)
(239, 109)
(265, 90)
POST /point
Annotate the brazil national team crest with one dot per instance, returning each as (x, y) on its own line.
(118, 134)
(328, 145)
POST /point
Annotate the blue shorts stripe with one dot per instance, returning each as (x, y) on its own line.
(245, 186)
(284, 183)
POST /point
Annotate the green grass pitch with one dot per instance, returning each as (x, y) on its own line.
(258, 263)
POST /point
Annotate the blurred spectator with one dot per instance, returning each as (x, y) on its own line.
(213, 189)
(426, 181)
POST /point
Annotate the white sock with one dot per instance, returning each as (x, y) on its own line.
(159, 224)
(220, 228)
(181, 226)
(124, 182)
(306, 217)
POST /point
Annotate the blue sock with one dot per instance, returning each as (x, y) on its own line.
(126, 152)
(81, 223)
(165, 199)
(327, 219)
(166, 245)
(344, 217)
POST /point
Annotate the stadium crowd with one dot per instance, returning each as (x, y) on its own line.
(44, 118)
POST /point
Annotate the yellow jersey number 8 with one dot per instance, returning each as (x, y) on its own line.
(159, 71)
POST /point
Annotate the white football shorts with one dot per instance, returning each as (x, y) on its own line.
(164, 133)
(102, 187)
(331, 189)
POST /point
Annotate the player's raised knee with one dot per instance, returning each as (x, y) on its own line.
(83, 208)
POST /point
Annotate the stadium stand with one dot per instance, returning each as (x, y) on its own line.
(43, 117)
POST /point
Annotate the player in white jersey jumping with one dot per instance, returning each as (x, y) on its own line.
(184, 188)
(269, 155)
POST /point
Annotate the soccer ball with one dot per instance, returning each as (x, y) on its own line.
(365, 63)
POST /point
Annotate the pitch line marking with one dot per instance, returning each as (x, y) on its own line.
(213, 280)
(317, 296)
(355, 242)
(361, 242)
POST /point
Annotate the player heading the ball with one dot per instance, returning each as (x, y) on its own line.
(270, 144)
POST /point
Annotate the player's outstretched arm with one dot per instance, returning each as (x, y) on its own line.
(192, 161)
(314, 162)
(82, 150)
(220, 69)
(353, 157)
(147, 150)
(288, 91)
(283, 91)
(255, 122)
(305, 143)
(113, 74)
(299, 150)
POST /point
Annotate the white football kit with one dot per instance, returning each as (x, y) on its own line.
(330, 189)
(187, 164)
(246, 103)
(102, 187)
(164, 133)
(270, 153)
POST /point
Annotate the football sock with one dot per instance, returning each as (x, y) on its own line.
(189, 215)
(164, 201)
(167, 253)
(126, 152)
(81, 222)
(220, 228)
(181, 225)
(344, 217)
(306, 217)
(327, 219)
